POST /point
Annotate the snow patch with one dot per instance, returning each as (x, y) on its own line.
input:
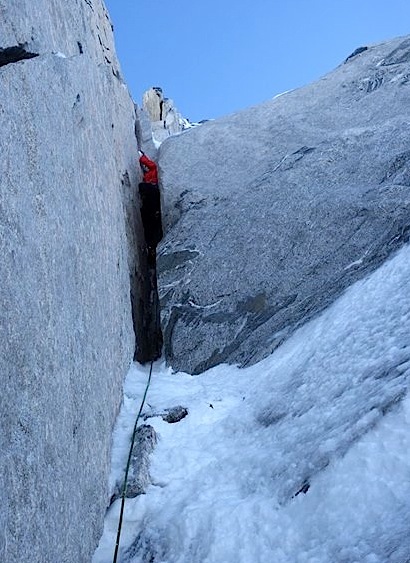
(326, 415)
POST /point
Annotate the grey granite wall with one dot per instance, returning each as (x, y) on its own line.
(68, 232)
(272, 212)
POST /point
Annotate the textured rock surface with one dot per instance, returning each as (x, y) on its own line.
(153, 103)
(138, 476)
(164, 117)
(144, 133)
(175, 414)
(67, 175)
(270, 213)
(170, 415)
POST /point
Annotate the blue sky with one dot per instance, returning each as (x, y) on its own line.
(214, 57)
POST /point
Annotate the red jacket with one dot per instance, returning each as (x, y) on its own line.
(150, 175)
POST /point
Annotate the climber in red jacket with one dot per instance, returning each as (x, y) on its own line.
(150, 207)
(150, 169)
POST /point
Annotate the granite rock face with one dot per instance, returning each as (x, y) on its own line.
(272, 212)
(144, 133)
(68, 181)
(153, 103)
(164, 118)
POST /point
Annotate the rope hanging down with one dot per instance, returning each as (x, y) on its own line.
(124, 487)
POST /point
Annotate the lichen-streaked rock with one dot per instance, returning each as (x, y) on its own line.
(272, 212)
(68, 180)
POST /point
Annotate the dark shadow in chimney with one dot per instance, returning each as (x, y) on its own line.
(147, 322)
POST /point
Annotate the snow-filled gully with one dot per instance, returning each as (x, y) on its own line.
(303, 457)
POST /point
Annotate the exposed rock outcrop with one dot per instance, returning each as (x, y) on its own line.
(144, 133)
(170, 415)
(164, 117)
(153, 103)
(69, 226)
(272, 212)
(138, 476)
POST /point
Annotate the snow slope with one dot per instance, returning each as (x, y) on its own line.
(327, 412)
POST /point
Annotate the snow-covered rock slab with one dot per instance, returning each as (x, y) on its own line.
(272, 212)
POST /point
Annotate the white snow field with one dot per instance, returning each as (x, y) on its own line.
(327, 412)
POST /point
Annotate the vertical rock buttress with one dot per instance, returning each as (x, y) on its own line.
(67, 139)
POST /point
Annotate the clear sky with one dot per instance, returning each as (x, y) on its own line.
(214, 57)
